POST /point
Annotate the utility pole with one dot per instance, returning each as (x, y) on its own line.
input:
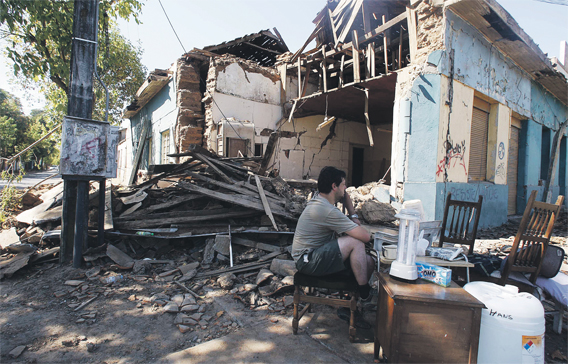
(74, 217)
(554, 155)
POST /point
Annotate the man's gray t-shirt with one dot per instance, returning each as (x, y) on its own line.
(319, 223)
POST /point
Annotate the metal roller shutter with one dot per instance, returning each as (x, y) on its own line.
(512, 167)
(478, 145)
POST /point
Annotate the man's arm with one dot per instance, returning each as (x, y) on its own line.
(359, 233)
(349, 207)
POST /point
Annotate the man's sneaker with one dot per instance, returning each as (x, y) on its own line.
(344, 313)
(370, 303)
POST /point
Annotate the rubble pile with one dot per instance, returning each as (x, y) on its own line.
(203, 204)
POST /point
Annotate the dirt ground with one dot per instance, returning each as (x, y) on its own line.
(126, 321)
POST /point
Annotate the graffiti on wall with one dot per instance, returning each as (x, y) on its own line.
(472, 194)
(501, 171)
(454, 156)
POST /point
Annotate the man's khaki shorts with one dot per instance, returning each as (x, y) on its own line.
(326, 259)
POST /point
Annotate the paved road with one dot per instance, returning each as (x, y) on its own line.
(32, 178)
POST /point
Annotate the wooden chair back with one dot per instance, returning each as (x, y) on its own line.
(459, 225)
(532, 238)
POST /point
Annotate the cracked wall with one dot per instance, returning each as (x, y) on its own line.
(242, 90)
(303, 154)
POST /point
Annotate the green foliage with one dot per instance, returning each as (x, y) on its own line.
(13, 125)
(40, 49)
(10, 199)
(18, 131)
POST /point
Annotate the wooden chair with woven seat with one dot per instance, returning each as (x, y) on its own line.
(342, 282)
(530, 244)
(460, 222)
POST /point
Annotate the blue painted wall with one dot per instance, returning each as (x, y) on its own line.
(493, 209)
(422, 142)
(423, 137)
(161, 111)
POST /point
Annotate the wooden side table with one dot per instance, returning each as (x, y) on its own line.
(425, 323)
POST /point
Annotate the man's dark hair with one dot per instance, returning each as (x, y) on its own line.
(327, 177)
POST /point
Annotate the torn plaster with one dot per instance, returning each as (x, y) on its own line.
(236, 81)
(481, 66)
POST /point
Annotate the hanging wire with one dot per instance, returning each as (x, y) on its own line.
(205, 84)
(171, 25)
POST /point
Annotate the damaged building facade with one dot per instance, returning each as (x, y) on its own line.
(430, 96)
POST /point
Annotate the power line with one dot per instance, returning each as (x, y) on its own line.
(167, 17)
(555, 2)
(201, 79)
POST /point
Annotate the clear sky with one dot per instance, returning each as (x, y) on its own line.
(200, 23)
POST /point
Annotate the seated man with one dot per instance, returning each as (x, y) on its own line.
(317, 249)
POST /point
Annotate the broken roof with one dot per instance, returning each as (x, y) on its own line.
(262, 47)
(499, 27)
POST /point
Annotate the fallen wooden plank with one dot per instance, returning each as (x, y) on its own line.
(84, 304)
(270, 256)
(270, 147)
(272, 196)
(48, 216)
(265, 203)
(135, 198)
(141, 224)
(236, 269)
(119, 257)
(131, 209)
(12, 265)
(257, 245)
(48, 198)
(238, 200)
(206, 160)
(168, 215)
(44, 254)
(178, 200)
(236, 187)
(230, 166)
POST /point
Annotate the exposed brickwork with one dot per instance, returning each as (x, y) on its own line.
(189, 127)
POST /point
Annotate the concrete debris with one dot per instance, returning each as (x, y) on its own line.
(8, 237)
(377, 212)
(17, 351)
(263, 275)
(171, 307)
(283, 268)
(226, 280)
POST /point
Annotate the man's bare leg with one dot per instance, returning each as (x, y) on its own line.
(361, 263)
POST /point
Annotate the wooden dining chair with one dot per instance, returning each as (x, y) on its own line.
(459, 225)
(531, 242)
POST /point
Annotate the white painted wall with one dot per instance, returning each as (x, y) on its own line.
(234, 80)
(249, 97)
(261, 114)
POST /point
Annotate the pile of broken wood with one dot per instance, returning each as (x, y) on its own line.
(213, 206)
(196, 195)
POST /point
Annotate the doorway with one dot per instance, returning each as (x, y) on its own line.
(357, 163)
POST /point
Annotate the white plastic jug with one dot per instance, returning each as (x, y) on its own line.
(512, 325)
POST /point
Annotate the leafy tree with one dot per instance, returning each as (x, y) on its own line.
(40, 33)
(13, 123)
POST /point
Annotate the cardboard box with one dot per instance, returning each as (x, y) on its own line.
(435, 274)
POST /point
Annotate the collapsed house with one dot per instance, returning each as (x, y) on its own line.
(428, 96)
